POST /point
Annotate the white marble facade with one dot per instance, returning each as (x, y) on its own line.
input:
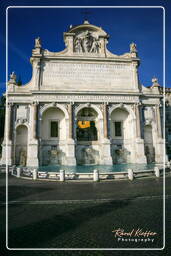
(88, 85)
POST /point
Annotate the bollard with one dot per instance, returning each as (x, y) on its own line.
(35, 174)
(130, 174)
(12, 171)
(62, 175)
(168, 165)
(18, 172)
(96, 175)
(157, 172)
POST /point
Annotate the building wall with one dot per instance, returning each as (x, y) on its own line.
(168, 122)
(83, 75)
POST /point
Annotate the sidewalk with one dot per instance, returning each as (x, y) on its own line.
(82, 215)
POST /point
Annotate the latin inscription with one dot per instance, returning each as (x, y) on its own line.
(59, 73)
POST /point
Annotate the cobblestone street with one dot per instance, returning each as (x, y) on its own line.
(83, 215)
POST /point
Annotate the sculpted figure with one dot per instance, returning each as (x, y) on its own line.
(38, 43)
(13, 75)
(87, 41)
(133, 48)
(86, 44)
(78, 46)
(88, 156)
(95, 46)
(12, 79)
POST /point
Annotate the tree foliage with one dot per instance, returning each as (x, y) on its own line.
(19, 82)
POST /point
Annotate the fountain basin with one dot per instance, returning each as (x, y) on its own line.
(100, 168)
(61, 173)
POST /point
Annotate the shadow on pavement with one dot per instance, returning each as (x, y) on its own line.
(36, 235)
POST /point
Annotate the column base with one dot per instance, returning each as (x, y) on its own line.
(106, 158)
(6, 153)
(140, 157)
(70, 154)
(70, 161)
(32, 159)
(159, 151)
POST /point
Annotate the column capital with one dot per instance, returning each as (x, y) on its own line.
(72, 102)
(10, 104)
(34, 103)
(137, 104)
(158, 105)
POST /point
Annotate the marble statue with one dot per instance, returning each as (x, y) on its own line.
(133, 48)
(78, 45)
(12, 79)
(38, 43)
(13, 76)
(95, 46)
(88, 156)
(86, 42)
(155, 82)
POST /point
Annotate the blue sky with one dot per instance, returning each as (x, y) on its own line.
(144, 26)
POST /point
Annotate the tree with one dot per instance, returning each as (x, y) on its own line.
(19, 82)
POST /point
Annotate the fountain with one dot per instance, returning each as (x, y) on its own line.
(54, 157)
(121, 156)
(86, 155)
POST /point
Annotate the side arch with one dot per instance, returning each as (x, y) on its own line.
(124, 107)
(54, 105)
(21, 145)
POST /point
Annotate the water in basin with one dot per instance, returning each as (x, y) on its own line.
(101, 168)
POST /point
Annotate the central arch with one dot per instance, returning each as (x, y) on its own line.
(87, 125)
(87, 135)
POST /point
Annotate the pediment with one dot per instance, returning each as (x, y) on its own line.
(87, 26)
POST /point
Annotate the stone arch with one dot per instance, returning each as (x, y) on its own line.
(84, 27)
(21, 144)
(122, 106)
(121, 133)
(55, 115)
(88, 119)
(87, 124)
(54, 133)
(25, 124)
(96, 108)
(118, 121)
(54, 105)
